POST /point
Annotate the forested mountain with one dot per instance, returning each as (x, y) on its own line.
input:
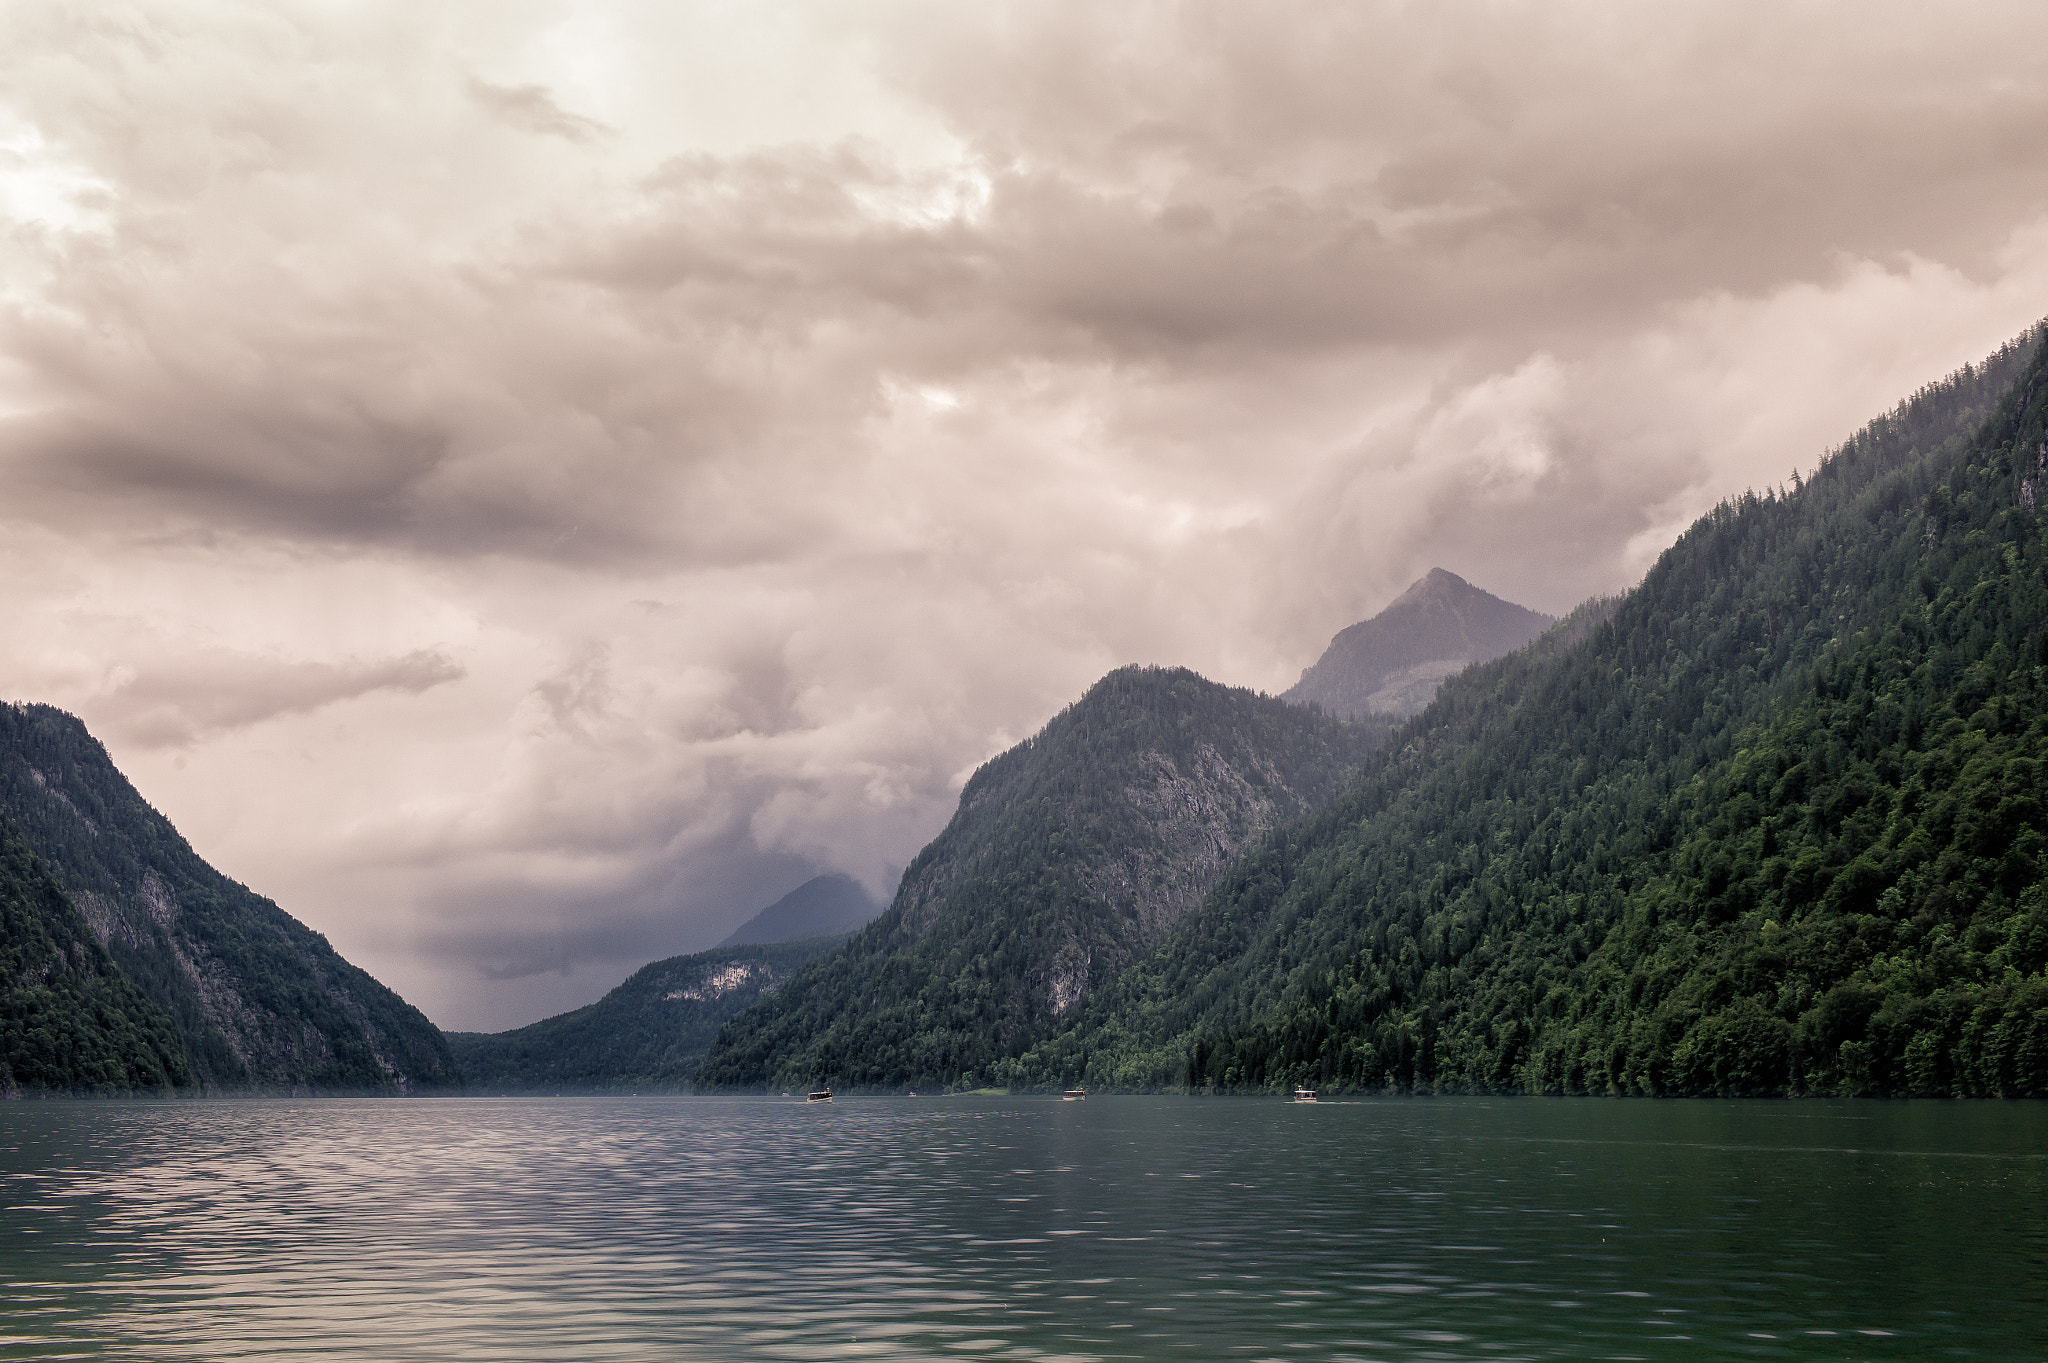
(1777, 824)
(1393, 663)
(646, 1036)
(70, 1021)
(260, 1002)
(824, 906)
(1069, 856)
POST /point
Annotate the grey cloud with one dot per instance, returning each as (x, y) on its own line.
(532, 108)
(345, 476)
(174, 703)
(1440, 168)
(1176, 190)
(509, 932)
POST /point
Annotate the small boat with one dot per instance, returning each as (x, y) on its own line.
(821, 1096)
(1074, 1095)
(1302, 1095)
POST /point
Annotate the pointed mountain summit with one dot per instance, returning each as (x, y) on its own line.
(824, 906)
(1393, 663)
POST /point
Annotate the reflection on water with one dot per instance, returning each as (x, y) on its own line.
(1397, 1229)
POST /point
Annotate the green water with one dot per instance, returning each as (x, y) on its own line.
(1395, 1229)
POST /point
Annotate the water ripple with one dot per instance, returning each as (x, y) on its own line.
(628, 1230)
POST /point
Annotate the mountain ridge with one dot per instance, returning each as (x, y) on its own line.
(645, 1036)
(1773, 825)
(1067, 855)
(261, 1003)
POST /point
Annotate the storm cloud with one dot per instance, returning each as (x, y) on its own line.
(526, 484)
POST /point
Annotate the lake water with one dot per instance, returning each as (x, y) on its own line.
(963, 1228)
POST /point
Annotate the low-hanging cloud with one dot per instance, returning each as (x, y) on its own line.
(196, 695)
(525, 485)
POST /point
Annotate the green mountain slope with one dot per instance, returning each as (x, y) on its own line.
(261, 1002)
(1393, 663)
(70, 1021)
(1776, 825)
(1070, 855)
(646, 1036)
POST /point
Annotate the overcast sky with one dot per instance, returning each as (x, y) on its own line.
(525, 484)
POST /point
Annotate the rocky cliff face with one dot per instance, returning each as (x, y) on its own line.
(1068, 856)
(260, 1002)
(70, 1020)
(1393, 663)
(1198, 817)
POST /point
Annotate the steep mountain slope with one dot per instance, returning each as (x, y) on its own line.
(646, 1036)
(1393, 663)
(1777, 825)
(824, 906)
(260, 1002)
(70, 1021)
(1069, 855)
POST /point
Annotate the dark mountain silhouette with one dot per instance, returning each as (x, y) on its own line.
(1393, 663)
(825, 906)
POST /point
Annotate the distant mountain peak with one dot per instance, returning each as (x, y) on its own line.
(1393, 663)
(1441, 586)
(823, 906)
(1438, 582)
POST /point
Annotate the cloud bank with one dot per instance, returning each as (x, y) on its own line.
(526, 484)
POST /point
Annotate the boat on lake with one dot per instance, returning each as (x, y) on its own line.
(821, 1096)
(1074, 1095)
(1302, 1095)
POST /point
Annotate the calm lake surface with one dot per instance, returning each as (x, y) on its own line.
(897, 1228)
